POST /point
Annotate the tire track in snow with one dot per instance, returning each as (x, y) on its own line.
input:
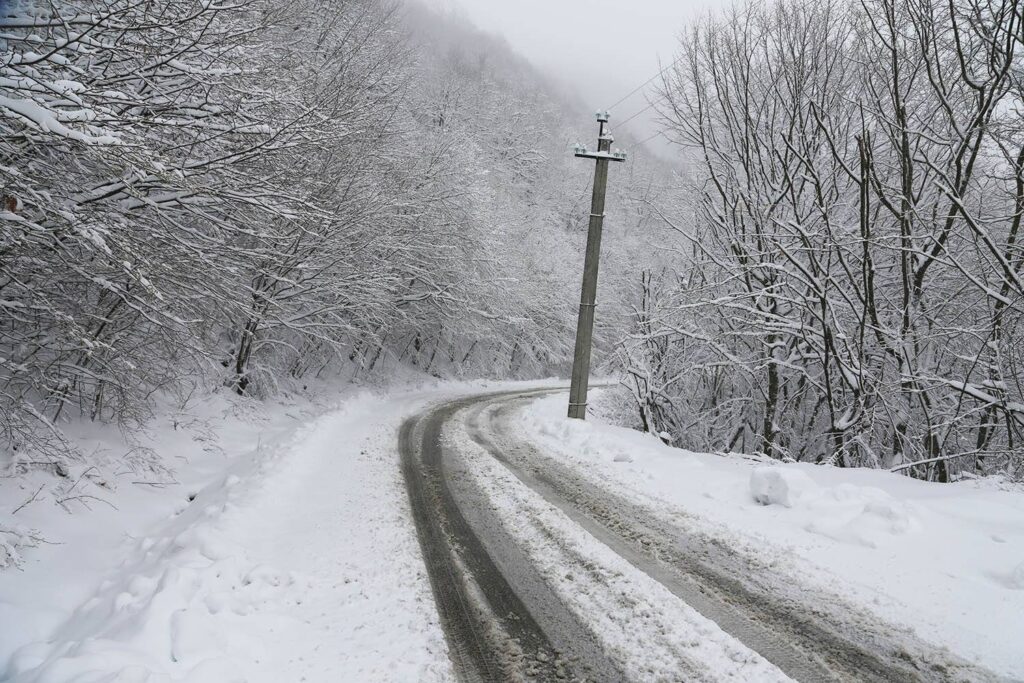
(493, 634)
(647, 632)
(828, 642)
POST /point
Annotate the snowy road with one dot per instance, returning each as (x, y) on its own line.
(542, 573)
(502, 541)
(487, 606)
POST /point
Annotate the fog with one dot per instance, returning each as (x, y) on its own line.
(600, 49)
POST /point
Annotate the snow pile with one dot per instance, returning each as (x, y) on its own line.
(576, 434)
(779, 486)
(859, 515)
(943, 561)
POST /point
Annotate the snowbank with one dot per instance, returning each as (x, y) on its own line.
(945, 561)
(283, 552)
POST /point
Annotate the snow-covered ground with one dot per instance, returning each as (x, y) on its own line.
(281, 549)
(945, 560)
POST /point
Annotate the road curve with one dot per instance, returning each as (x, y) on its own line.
(503, 623)
(493, 627)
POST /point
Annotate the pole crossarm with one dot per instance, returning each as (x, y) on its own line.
(588, 298)
(610, 156)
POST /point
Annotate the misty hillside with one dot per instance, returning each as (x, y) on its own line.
(311, 198)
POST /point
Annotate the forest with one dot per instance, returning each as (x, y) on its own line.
(851, 288)
(245, 196)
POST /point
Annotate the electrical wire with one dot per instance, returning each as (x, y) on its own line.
(634, 91)
(643, 85)
(648, 139)
(623, 123)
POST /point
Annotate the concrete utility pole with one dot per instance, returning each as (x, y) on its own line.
(585, 323)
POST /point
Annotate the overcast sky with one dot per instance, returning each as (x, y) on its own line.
(602, 48)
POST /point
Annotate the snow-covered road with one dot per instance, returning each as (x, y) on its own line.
(941, 563)
(472, 532)
(614, 588)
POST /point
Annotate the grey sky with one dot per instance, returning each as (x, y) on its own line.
(602, 48)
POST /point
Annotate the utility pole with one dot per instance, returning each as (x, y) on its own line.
(585, 322)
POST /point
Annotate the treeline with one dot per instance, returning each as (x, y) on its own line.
(252, 193)
(851, 286)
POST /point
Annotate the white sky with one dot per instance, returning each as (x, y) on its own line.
(601, 48)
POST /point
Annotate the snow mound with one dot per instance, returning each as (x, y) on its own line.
(863, 516)
(580, 436)
(780, 486)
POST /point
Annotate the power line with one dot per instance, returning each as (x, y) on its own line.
(623, 123)
(648, 139)
(644, 84)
